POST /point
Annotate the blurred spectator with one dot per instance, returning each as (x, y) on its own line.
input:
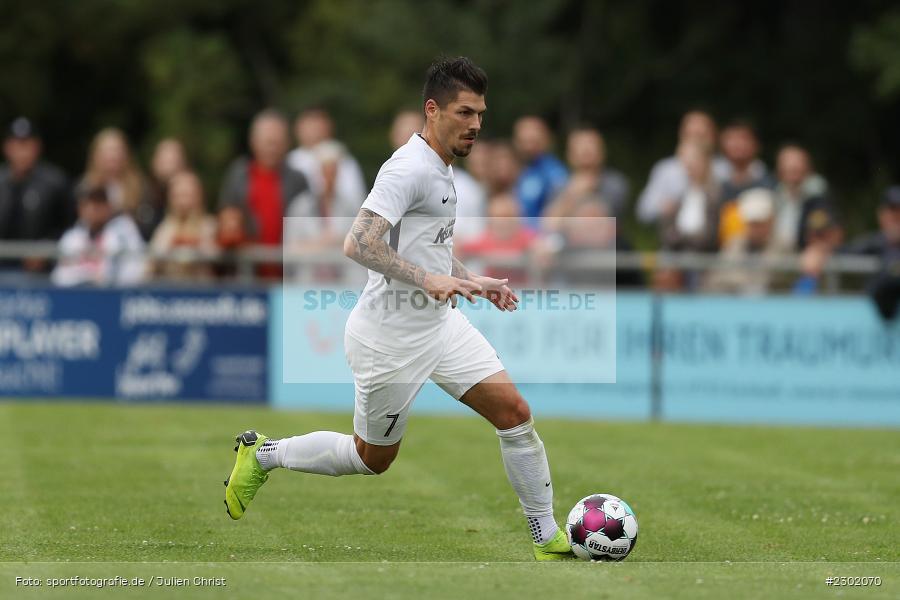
(35, 199)
(324, 221)
(884, 244)
(317, 223)
(588, 232)
(668, 180)
(169, 158)
(111, 166)
(334, 200)
(690, 222)
(590, 227)
(261, 186)
(823, 234)
(757, 211)
(796, 191)
(504, 236)
(473, 192)
(479, 163)
(741, 148)
(312, 127)
(231, 236)
(543, 175)
(185, 226)
(103, 248)
(405, 124)
(231, 229)
(591, 179)
(503, 168)
(471, 201)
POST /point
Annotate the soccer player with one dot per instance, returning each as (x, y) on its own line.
(404, 235)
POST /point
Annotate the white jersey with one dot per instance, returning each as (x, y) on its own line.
(414, 191)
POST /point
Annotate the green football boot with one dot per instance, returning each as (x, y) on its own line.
(247, 476)
(556, 549)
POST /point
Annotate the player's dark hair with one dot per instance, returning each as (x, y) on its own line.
(446, 77)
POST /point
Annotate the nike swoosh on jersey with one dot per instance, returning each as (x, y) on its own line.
(444, 199)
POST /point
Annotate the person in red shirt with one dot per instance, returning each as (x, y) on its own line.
(262, 185)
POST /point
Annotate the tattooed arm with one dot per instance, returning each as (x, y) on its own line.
(365, 244)
(459, 270)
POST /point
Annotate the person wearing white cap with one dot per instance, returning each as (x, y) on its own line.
(756, 207)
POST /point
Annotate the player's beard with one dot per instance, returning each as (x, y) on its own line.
(462, 152)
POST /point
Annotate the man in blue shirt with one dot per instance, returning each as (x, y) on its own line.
(543, 175)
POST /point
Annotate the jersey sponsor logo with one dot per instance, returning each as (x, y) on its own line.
(445, 233)
(444, 199)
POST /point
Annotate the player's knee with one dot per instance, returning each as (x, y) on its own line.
(522, 412)
(377, 458)
(379, 464)
(517, 413)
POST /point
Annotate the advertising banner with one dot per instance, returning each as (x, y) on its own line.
(816, 361)
(779, 360)
(134, 344)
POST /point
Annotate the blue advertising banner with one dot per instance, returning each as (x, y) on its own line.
(810, 361)
(779, 360)
(816, 361)
(135, 344)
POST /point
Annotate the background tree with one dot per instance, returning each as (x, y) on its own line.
(824, 74)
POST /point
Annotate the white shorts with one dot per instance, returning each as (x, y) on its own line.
(386, 385)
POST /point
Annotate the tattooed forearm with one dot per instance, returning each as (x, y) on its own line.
(365, 244)
(459, 270)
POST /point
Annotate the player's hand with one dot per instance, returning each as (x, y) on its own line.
(446, 287)
(497, 292)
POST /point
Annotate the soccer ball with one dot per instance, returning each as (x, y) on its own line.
(602, 527)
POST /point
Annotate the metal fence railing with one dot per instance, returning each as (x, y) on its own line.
(246, 261)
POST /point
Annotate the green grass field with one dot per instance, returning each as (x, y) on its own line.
(137, 491)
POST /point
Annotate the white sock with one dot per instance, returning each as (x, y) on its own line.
(322, 452)
(526, 466)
